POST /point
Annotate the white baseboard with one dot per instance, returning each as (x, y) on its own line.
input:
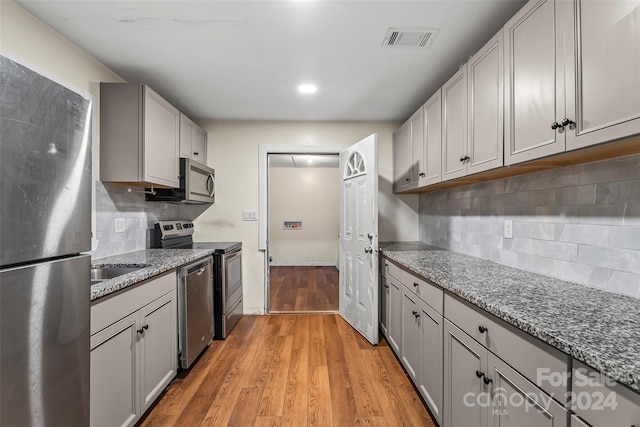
(303, 264)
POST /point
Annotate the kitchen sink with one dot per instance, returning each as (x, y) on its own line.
(104, 273)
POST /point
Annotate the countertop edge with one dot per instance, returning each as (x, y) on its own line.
(152, 262)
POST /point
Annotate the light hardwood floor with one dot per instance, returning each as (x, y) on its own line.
(303, 289)
(292, 370)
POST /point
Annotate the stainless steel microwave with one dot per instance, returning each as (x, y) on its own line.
(197, 185)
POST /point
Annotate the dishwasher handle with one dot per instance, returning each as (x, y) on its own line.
(197, 267)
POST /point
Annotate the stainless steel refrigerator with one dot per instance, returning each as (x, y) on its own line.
(45, 225)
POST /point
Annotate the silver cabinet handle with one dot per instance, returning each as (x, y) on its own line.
(368, 250)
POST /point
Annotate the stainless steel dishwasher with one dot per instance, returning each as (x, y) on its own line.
(195, 309)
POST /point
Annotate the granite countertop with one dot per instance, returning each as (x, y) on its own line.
(599, 328)
(151, 261)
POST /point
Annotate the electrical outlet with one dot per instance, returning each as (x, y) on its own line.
(249, 215)
(119, 225)
(508, 229)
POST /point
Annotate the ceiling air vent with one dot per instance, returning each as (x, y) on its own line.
(420, 38)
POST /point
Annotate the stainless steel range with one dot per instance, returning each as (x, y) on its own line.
(227, 270)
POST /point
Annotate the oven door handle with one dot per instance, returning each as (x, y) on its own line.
(229, 257)
(211, 185)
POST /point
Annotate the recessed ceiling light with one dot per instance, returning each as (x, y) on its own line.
(307, 88)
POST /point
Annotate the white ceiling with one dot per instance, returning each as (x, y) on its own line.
(243, 60)
(303, 160)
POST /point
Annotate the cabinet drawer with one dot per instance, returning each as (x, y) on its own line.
(114, 307)
(390, 268)
(425, 290)
(537, 361)
(601, 401)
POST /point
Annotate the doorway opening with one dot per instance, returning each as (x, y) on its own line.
(303, 226)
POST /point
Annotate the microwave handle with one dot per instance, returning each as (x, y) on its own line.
(210, 185)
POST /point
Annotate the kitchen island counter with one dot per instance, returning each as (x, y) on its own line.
(599, 328)
(152, 262)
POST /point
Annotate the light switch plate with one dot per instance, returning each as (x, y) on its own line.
(249, 215)
(508, 229)
(119, 225)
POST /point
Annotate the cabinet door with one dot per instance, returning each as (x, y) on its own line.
(411, 335)
(517, 402)
(466, 399)
(186, 132)
(158, 347)
(395, 315)
(430, 381)
(384, 306)
(114, 374)
(417, 146)
(199, 144)
(402, 158)
(454, 126)
(432, 152)
(534, 83)
(485, 143)
(161, 140)
(604, 72)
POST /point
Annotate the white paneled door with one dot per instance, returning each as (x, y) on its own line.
(359, 291)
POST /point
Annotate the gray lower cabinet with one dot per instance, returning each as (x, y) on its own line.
(133, 350)
(517, 402)
(600, 401)
(384, 306)
(158, 347)
(395, 314)
(411, 334)
(465, 394)
(482, 390)
(430, 378)
(114, 368)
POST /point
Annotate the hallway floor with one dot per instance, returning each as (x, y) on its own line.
(303, 289)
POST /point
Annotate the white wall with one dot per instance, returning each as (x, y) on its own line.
(233, 152)
(310, 195)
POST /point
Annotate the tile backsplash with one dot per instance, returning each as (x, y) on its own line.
(114, 201)
(580, 223)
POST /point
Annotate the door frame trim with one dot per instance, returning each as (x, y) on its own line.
(263, 195)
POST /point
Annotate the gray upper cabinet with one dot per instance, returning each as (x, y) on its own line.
(604, 68)
(402, 158)
(454, 126)
(485, 143)
(193, 140)
(417, 146)
(534, 83)
(139, 136)
(572, 75)
(472, 122)
(431, 164)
